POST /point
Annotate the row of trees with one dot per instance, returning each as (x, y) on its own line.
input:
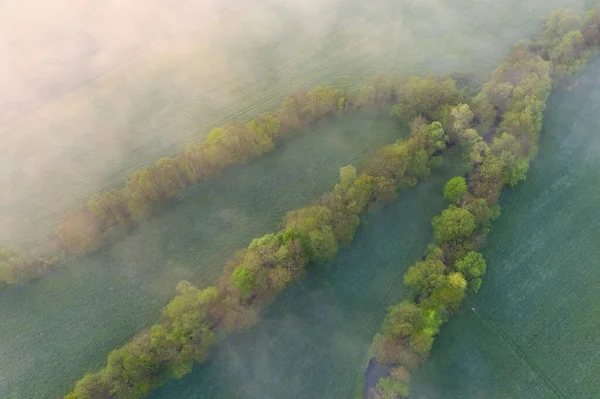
(191, 322)
(508, 111)
(85, 230)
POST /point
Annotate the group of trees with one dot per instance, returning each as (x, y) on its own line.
(499, 134)
(569, 41)
(85, 230)
(191, 322)
(17, 267)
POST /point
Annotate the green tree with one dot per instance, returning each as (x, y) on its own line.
(423, 96)
(347, 177)
(289, 115)
(391, 388)
(452, 293)
(454, 224)
(462, 117)
(15, 266)
(323, 244)
(472, 266)
(424, 277)
(244, 281)
(400, 320)
(92, 386)
(455, 189)
(559, 23)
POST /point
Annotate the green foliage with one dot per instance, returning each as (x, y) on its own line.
(347, 177)
(243, 280)
(17, 267)
(341, 105)
(455, 189)
(472, 267)
(401, 319)
(484, 213)
(423, 96)
(569, 56)
(450, 295)
(376, 92)
(559, 23)
(13, 263)
(192, 319)
(462, 119)
(454, 224)
(323, 244)
(424, 277)
(391, 388)
(322, 101)
(91, 386)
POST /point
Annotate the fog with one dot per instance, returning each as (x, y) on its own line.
(52, 47)
(94, 91)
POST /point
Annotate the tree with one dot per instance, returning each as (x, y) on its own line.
(510, 153)
(472, 266)
(267, 124)
(323, 244)
(322, 101)
(390, 161)
(454, 224)
(347, 177)
(244, 281)
(455, 189)
(92, 386)
(391, 388)
(452, 293)
(489, 178)
(560, 23)
(484, 213)
(15, 266)
(79, 232)
(360, 193)
(289, 115)
(422, 96)
(424, 277)
(569, 55)
(462, 117)
(401, 320)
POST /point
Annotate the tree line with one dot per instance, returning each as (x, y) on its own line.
(499, 133)
(196, 319)
(86, 229)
